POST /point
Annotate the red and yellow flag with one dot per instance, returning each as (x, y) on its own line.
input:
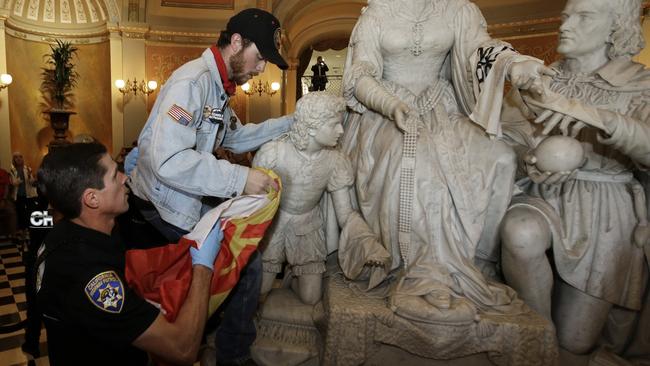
(163, 275)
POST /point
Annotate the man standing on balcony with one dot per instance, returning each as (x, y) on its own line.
(319, 79)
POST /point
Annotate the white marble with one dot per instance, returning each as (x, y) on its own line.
(594, 218)
(430, 183)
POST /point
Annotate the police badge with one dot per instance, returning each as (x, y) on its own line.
(106, 292)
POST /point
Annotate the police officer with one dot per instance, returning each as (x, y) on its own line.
(91, 316)
(176, 168)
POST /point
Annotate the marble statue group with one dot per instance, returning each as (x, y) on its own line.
(462, 211)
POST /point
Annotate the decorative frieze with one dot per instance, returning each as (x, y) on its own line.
(66, 17)
(81, 15)
(48, 12)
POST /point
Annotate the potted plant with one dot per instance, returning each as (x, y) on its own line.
(58, 79)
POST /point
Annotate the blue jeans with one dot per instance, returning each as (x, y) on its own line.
(169, 231)
(236, 331)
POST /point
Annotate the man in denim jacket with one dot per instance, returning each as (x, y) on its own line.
(176, 167)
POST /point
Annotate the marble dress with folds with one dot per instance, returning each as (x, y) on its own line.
(462, 179)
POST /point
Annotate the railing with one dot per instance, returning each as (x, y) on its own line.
(334, 84)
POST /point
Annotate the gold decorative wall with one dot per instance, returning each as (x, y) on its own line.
(542, 47)
(163, 60)
(30, 130)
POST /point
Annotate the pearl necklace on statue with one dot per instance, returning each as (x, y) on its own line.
(417, 30)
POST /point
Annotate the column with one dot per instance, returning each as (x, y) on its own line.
(289, 95)
(117, 100)
(5, 131)
(133, 68)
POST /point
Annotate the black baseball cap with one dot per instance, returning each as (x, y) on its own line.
(262, 28)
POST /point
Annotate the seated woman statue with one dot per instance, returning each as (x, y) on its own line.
(430, 183)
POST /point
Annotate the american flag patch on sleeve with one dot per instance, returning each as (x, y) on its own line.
(180, 115)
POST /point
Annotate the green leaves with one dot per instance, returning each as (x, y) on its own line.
(59, 76)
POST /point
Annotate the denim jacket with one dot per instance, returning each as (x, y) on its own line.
(176, 168)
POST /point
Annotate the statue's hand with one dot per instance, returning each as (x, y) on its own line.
(552, 109)
(642, 235)
(545, 177)
(551, 118)
(527, 75)
(400, 114)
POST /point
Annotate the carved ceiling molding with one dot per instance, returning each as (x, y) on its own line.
(198, 4)
(134, 32)
(62, 13)
(525, 27)
(38, 33)
(180, 37)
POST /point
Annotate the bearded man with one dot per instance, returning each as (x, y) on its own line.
(176, 168)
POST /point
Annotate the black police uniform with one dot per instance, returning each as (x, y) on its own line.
(90, 314)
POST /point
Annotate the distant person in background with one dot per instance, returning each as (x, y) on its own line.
(319, 79)
(7, 211)
(24, 191)
(41, 222)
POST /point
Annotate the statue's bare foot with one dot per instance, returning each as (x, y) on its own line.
(374, 263)
(439, 298)
(417, 308)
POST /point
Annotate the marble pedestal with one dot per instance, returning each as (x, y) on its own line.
(286, 334)
(353, 327)
(349, 328)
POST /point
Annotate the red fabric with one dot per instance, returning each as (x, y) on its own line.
(4, 183)
(228, 85)
(164, 274)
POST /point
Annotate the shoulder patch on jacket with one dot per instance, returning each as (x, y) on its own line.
(180, 115)
(106, 292)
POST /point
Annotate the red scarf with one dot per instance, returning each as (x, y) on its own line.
(228, 85)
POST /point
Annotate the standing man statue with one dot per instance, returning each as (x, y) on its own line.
(176, 168)
(593, 219)
(319, 77)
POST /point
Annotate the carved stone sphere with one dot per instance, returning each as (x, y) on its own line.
(559, 154)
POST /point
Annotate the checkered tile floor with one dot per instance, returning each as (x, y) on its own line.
(13, 308)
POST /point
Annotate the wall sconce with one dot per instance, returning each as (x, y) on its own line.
(135, 87)
(5, 80)
(260, 88)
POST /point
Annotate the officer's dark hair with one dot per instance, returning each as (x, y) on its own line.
(69, 170)
(224, 40)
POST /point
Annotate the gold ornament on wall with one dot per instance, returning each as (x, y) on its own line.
(133, 87)
(259, 88)
(5, 80)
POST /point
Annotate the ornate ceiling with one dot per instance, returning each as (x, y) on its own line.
(305, 21)
(42, 18)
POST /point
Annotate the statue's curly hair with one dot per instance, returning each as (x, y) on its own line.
(311, 110)
(626, 39)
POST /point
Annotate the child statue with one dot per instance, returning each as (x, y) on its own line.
(307, 160)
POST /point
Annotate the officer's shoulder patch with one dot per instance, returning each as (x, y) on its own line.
(106, 291)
